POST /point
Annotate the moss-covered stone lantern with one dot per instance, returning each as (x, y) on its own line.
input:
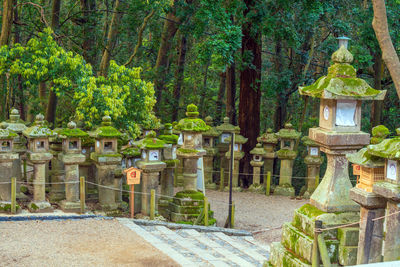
(238, 154)
(313, 160)
(209, 145)
(269, 142)
(17, 125)
(226, 129)
(389, 151)
(341, 94)
(7, 157)
(107, 159)
(167, 175)
(151, 163)
(257, 162)
(56, 169)
(38, 153)
(287, 137)
(187, 203)
(71, 157)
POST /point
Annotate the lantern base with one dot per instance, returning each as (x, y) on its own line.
(67, 206)
(284, 190)
(257, 188)
(43, 206)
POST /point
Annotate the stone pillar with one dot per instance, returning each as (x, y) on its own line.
(167, 181)
(6, 167)
(392, 237)
(285, 187)
(149, 181)
(336, 179)
(371, 205)
(256, 186)
(190, 173)
(57, 190)
(313, 166)
(269, 141)
(87, 170)
(208, 161)
(71, 165)
(105, 177)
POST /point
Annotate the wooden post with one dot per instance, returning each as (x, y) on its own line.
(323, 251)
(368, 237)
(268, 184)
(205, 211)
(82, 193)
(316, 181)
(315, 251)
(233, 216)
(152, 203)
(221, 180)
(132, 200)
(13, 195)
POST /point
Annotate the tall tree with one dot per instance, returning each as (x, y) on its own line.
(179, 75)
(6, 22)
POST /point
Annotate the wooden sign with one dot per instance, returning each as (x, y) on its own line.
(133, 175)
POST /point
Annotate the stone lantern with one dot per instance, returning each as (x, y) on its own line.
(226, 129)
(107, 160)
(167, 175)
(389, 188)
(7, 157)
(71, 157)
(16, 125)
(313, 160)
(257, 162)
(179, 169)
(269, 142)
(238, 154)
(56, 172)
(209, 144)
(287, 137)
(151, 163)
(341, 94)
(38, 153)
(187, 203)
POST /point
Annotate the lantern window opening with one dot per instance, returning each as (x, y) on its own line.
(5, 146)
(154, 155)
(313, 151)
(40, 145)
(108, 146)
(391, 170)
(257, 158)
(225, 136)
(287, 144)
(73, 145)
(207, 142)
(236, 147)
(346, 113)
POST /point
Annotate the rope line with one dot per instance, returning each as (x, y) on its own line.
(29, 183)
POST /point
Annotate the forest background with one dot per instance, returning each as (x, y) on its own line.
(242, 59)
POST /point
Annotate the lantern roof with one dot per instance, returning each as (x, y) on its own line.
(6, 133)
(288, 132)
(364, 158)
(213, 131)
(239, 139)
(308, 141)
(168, 137)
(341, 81)
(105, 130)
(258, 150)
(150, 142)
(226, 126)
(268, 137)
(379, 133)
(38, 129)
(192, 123)
(71, 131)
(15, 123)
(388, 148)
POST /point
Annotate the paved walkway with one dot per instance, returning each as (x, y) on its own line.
(189, 247)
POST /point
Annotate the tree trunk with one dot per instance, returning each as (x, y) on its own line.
(111, 37)
(42, 94)
(220, 98)
(6, 23)
(231, 93)
(179, 75)
(377, 105)
(204, 92)
(389, 55)
(250, 93)
(282, 99)
(88, 24)
(168, 33)
(52, 101)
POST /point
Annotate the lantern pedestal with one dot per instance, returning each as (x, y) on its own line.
(269, 142)
(57, 174)
(285, 187)
(39, 203)
(209, 169)
(256, 186)
(6, 167)
(371, 205)
(87, 170)
(313, 164)
(235, 177)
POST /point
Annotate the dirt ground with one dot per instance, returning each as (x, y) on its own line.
(87, 242)
(254, 212)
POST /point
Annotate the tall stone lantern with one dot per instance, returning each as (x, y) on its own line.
(209, 145)
(38, 153)
(226, 129)
(71, 157)
(187, 203)
(151, 163)
(389, 188)
(7, 157)
(339, 131)
(287, 137)
(269, 142)
(257, 162)
(107, 160)
(313, 160)
(238, 154)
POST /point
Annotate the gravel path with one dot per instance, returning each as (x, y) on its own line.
(88, 242)
(255, 212)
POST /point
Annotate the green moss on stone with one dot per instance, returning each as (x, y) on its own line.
(106, 132)
(169, 138)
(187, 151)
(78, 133)
(23, 189)
(171, 162)
(131, 152)
(310, 211)
(388, 148)
(34, 206)
(190, 194)
(286, 154)
(150, 142)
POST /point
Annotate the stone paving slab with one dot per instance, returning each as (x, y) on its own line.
(190, 247)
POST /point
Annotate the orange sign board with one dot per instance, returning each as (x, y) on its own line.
(133, 175)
